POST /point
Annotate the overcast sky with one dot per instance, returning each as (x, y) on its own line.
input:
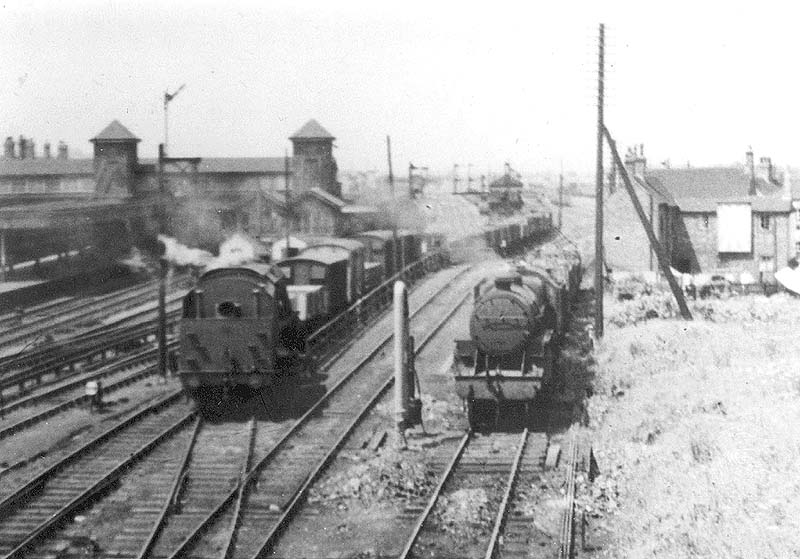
(451, 84)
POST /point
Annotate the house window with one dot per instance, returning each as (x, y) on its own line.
(765, 222)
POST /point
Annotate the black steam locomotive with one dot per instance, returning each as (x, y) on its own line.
(518, 320)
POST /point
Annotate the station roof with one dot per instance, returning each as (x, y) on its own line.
(312, 130)
(276, 165)
(40, 166)
(115, 132)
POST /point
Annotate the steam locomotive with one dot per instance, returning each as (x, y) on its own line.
(248, 325)
(519, 317)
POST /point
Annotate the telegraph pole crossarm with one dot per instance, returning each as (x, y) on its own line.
(663, 262)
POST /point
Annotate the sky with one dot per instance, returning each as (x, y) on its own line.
(450, 82)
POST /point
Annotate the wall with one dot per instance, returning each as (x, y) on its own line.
(69, 184)
(698, 239)
(626, 244)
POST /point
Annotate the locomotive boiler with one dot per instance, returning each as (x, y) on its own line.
(238, 329)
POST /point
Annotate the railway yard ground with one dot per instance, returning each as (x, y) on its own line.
(367, 498)
(693, 427)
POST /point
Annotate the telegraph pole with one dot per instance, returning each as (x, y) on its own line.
(389, 160)
(560, 194)
(289, 211)
(598, 223)
(391, 188)
(162, 283)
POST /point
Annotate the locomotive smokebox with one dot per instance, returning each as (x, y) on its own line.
(504, 317)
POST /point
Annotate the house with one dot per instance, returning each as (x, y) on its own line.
(708, 219)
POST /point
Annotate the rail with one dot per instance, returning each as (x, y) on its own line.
(145, 371)
(300, 493)
(503, 512)
(565, 550)
(448, 472)
(238, 493)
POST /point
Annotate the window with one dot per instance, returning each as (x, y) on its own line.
(229, 309)
(765, 221)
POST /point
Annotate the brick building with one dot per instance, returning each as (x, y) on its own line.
(211, 196)
(709, 219)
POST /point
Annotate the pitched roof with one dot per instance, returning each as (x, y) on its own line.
(242, 165)
(312, 130)
(35, 167)
(259, 165)
(115, 132)
(759, 204)
(327, 197)
(707, 182)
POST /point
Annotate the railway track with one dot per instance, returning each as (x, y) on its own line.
(27, 331)
(25, 412)
(36, 508)
(216, 479)
(250, 517)
(480, 478)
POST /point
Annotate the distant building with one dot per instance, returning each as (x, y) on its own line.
(213, 196)
(708, 219)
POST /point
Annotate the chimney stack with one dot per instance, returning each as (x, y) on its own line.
(31, 145)
(8, 148)
(46, 149)
(635, 160)
(765, 169)
(751, 170)
(63, 152)
(23, 147)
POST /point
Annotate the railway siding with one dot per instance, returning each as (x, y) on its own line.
(69, 485)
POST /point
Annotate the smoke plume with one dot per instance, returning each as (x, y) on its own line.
(181, 255)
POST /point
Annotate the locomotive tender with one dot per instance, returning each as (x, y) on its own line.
(238, 328)
(518, 320)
